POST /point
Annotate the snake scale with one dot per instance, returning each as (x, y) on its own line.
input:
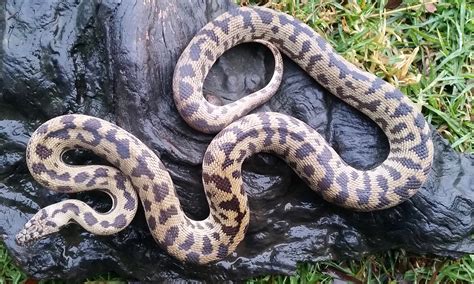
(136, 169)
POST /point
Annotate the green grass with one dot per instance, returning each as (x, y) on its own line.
(429, 56)
(9, 272)
(391, 267)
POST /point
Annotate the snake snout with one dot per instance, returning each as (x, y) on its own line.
(30, 233)
(34, 229)
(22, 238)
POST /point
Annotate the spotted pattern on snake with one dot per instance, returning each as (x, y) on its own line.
(135, 168)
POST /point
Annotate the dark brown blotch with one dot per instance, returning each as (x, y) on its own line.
(187, 244)
(42, 129)
(223, 25)
(216, 236)
(220, 182)
(120, 180)
(342, 180)
(90, 219)
(206, 246)
(406, 162)
(119, 222)
(323, 159)
(192, 257)
(236, 174)
(167, 213)
(160, 191)
(265, 16)
(185, 90)
(43, 152)
(195, 49)
(64, 188)
(232, 205)
(130, 203)
(304, 151)
(186, 71)
(403, 109)
(170, 236)
(152, 223)
(222, 251)
(122, 146)
(208, 158)
(65, 208)
(142, 168)
(189, 110)
(81, 177)
(147, 205)
(308, 170)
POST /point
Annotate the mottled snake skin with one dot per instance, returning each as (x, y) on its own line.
(137, 167)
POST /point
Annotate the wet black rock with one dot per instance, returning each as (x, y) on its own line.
(115, 60)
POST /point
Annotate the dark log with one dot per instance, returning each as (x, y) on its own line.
(116, 61)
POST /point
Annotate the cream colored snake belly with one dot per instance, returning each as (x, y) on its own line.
(137, 169)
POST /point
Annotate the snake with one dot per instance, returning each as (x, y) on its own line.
(136, 170)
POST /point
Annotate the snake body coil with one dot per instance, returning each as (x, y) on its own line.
(137, 167)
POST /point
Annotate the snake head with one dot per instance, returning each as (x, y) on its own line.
(39, 226)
